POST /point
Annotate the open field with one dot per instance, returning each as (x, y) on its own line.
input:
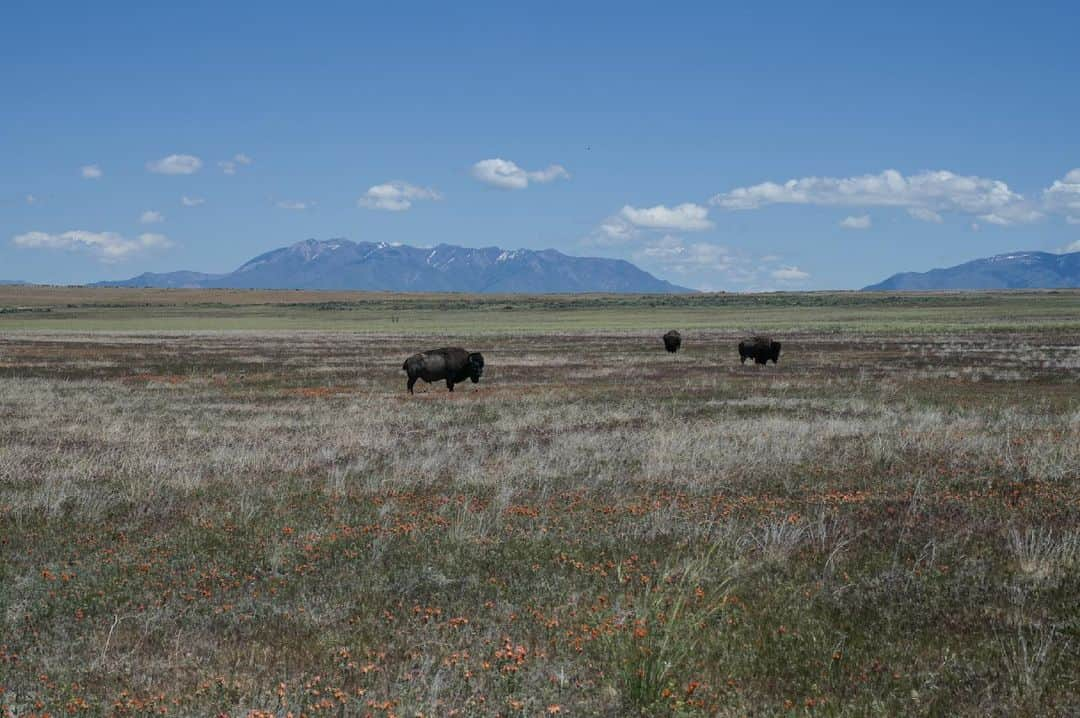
(261, 522)
(82, 309)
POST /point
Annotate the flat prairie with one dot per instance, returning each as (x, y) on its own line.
(224, 503)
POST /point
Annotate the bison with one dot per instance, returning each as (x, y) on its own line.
(452, 364)
(760, 349)
(672, 341)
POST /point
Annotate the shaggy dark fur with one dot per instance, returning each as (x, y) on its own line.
(452, 364)
(760, 349)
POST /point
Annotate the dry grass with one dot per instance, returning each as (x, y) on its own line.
(82, 309)
(259, 524)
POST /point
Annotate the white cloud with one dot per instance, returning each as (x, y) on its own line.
(294, 204)
(1064, 194)
(938, 191)
(229, 166)
(191, 201)
(618, 230)
(505, 174)
(789, 274)
(612, 232)
(552, 173)
(151, 217)
(685, 217)
(633, 224)
(860, 222)
(175, 165)
(925, 215)
(1018, 214)
(500, 173)
(675, 255)
(1071, 247)
(154, 241)
(396, 196)
(707, 265)
(106, 246)
(31, 199)
(1072, 220)
(91, 172)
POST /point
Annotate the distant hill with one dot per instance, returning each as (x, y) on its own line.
(168, 280)
(11, 281)
(1017, 270)
(344, 265)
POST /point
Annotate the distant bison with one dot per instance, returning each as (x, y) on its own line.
(672, 341)
(760, 349)
(452, 364)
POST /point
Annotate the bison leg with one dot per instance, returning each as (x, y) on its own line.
(449, 385)
(412, 381)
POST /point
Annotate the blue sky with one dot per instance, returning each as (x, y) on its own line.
(738, 147)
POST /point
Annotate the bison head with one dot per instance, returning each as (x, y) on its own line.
(476, 366)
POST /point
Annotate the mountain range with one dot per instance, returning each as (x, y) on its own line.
(343, 265)
(1016, 270)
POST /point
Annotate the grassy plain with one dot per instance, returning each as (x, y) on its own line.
(225, 503)
(78, 309)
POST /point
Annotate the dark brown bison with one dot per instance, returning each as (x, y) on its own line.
(452, 364)
(672, 341)
(760, 349)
